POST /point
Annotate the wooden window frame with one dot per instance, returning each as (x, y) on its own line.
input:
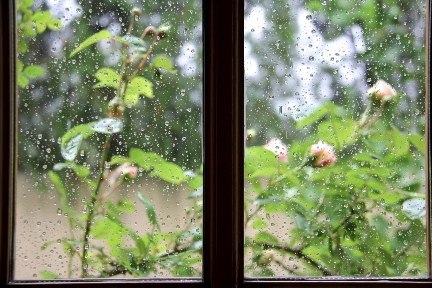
(223, 110)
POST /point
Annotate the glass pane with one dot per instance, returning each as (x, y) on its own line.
(335, 157)
(109, 177)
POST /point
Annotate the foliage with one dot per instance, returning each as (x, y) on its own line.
(176, 252)
(29, 25)
(357, 215)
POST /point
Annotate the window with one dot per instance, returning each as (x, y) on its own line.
(310, 68)
(223, 157)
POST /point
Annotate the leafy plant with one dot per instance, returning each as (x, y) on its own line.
(350, 196)
(100, 219)
(29, 25)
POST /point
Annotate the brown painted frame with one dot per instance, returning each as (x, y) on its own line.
(223, 160)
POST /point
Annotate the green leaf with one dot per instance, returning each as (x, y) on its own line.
(418, 141)
(70, 149)
(258, 160)
(312, 118)
(20, 66)
(57, 183)
(25, 4)
(135, 43)
(82, 129)
(71, 141)
(107, 78)
(54, 24)
(169, 172)
(337, 131)
(107, 126)
(126, 204)
(49, 275)
(103, 34)
(388, 197)
(140, 85)
(266, 237)
(33, 71)
(40, 19)
(131, 99)
(259, 223)
(62, 191)
(22, 46)
(195, 182)
(163, 62)
(145, 160)
(22, 81)
(81, 171)
(151, 214)
(398, 145)
(117, 159)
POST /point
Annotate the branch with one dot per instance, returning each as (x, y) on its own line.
(296, 252)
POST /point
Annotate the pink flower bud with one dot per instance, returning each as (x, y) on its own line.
(277, 147)
(120, 172)
(324, 154)
(382, 91)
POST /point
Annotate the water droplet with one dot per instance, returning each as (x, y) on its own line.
(311, 58)
(253, 30)
(59, 211)
(309, 17)
(39, 136)
(182, 92)
(53, 48)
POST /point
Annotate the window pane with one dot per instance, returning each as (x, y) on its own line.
(109, 177)
(335, 156)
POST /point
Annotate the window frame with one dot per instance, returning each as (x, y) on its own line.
(223, 115)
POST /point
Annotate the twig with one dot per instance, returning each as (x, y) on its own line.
(296, 252)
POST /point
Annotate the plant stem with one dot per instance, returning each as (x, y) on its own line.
(91, 206)
(144, 61)
(296, 252)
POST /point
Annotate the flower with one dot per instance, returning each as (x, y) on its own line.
(120, 172)
(324, 154)
(277, 147)
(382, 91)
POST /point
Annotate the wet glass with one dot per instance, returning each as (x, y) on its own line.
(335, 149)
(109, 175)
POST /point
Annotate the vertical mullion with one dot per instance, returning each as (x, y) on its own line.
(223, 143)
